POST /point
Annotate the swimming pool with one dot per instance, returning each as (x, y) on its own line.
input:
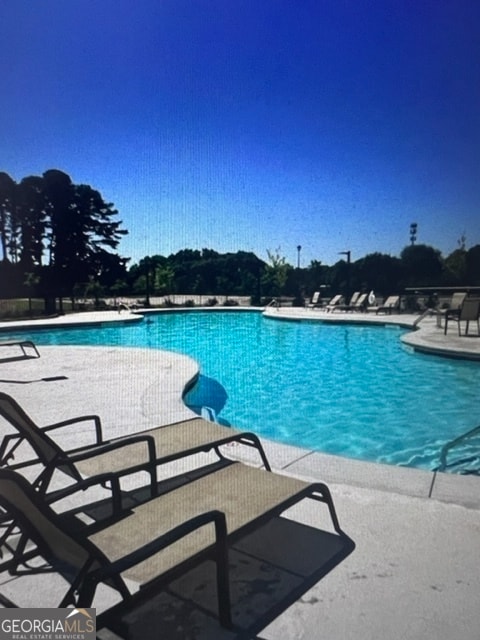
(355, 391)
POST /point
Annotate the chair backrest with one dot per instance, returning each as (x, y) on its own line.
(315, 297)
(336, 299)
(40, 523)
(470, 309)
(354, 298)
(361, 300)
(46, 449)
(457, 300)
(70, 554)
(392, 301)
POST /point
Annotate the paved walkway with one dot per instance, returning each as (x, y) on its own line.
(415, 571)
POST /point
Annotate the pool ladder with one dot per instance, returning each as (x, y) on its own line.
(444, 464)
(424, 314)
(453, 443)
(207, 413)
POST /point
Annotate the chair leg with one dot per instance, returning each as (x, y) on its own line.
(222, 568)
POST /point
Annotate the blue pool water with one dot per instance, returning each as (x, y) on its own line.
(350, 390)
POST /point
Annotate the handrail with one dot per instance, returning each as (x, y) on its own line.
(444, 451)
(273, 303)
(428, 311)
(453, 443)
(208, 413)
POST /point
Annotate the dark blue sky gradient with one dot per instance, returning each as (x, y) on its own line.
(239, 124)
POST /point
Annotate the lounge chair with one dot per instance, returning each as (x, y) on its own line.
(392, 303)
(316, 300)
(359, 304)
(469, 311)
(143, 543)
(336, 300)
(143, 451)
(350, 305)
(27, 347)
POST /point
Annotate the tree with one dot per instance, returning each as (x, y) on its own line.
(422, 266)
(31, 202)
(242, 271)
(8, 220)
(80, 228)
(31, 281)
(473, 265)
(95, 289)
(315, 276)
(147, 266)
(456, 268)
(109, 267)
(276, 273)
(61, 232)
(58, 231)
(377, 271)
(120, 288)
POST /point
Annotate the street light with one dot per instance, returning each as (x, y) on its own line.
(413, 232)
(348, 254)
(299, 248)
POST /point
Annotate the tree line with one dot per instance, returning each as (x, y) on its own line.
(56, 235)
(58, 240)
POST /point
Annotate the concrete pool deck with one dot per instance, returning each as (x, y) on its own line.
(415, 570)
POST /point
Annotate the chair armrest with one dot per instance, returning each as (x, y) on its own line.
(83, 485)
(166, 539)
(149, 464)
(92, 418)
(111, 446)
(117, 567)
(452, 312)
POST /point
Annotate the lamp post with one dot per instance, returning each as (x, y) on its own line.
(299, 248)
(413, 232)
(348, 254)
(299, 294)
(147, 266)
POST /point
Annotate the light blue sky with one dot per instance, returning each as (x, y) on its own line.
(251, 125)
